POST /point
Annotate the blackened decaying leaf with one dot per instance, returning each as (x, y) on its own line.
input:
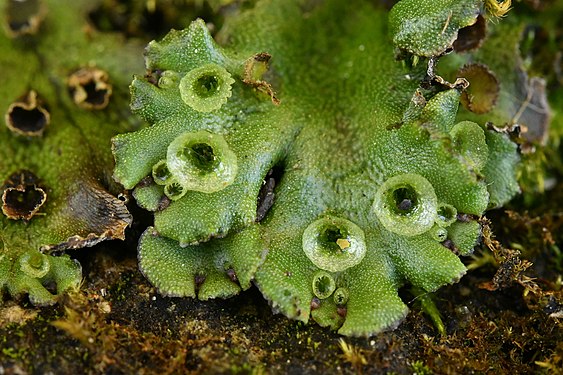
(90, 88)
(24, 17)
(198, 280)
(266, 196)
(471, 37)
(232, 275)
(315, 303)
(28, 116)
(22, 196)
(482, 93)
(101, 216)
(163, 203)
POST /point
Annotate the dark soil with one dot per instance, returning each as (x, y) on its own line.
(118, 324)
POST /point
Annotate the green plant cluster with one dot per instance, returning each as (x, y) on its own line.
(296, 152)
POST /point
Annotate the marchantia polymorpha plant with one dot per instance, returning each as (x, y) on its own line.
(312, 149)
(372, 169)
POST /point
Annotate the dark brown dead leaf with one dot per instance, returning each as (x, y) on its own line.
(471, 37)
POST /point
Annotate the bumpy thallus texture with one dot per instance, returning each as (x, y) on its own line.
(371, 182)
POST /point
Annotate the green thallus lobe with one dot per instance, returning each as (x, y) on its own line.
(469, 140)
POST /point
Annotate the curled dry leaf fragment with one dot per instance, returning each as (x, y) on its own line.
(481, 95)
(254, 69)
(471, 37)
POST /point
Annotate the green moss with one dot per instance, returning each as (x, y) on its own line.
(419, 368)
